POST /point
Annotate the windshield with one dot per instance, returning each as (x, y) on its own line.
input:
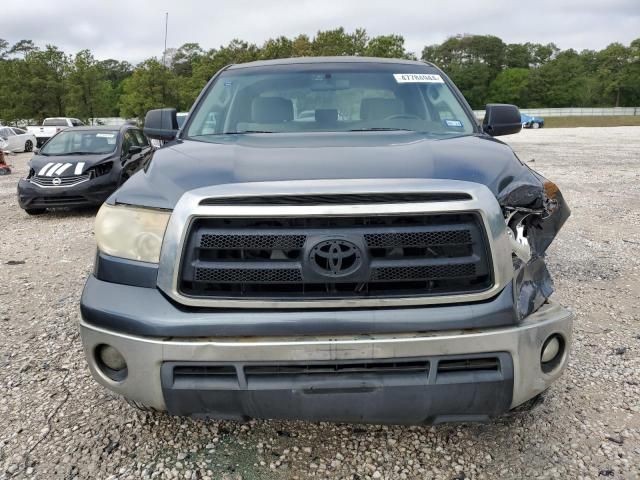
(90, 142)
(325, 97)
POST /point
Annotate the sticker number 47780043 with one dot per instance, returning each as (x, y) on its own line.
(417, 78)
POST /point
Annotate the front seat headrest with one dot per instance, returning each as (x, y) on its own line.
(271, 110)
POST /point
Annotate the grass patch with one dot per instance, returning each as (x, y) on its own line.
(613, 121)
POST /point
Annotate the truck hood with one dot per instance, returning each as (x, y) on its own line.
(77, 164)
(186, 165)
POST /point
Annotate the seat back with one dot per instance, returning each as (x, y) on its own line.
(380, 108)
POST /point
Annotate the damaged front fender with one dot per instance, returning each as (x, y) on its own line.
(535, 211)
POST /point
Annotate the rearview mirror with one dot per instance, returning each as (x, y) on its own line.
(501, 119)
(161, 124)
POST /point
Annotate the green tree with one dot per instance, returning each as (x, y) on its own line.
(89, 93)
(36, 86)
(302, 46)
(152, 85)
(336, 43)
(184, 58)
(36, 83)
(510, 86)
(613, 72)
(23, 47)
(561, 82)
(4, 49)
(280, 47)
(390, 46)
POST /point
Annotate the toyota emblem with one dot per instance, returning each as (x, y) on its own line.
(56, 181)
(335, 258)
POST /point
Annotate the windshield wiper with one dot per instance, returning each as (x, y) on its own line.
(381, 129)
(246, 131)
(85, 153)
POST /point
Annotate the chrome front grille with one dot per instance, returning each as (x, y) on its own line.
(70, 181)
(274, 225)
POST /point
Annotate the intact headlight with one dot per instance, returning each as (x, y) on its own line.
(131, 232)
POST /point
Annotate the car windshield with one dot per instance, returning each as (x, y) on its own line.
(78, 142)
(326, 97)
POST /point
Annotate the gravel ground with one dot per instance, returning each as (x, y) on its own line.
(56, 422)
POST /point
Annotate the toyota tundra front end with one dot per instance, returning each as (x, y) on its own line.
(381, 260)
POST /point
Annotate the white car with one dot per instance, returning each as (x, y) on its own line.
(18, 140)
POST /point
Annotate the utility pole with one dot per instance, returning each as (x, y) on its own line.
(166, 29)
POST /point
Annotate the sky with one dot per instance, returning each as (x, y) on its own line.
(134, 30)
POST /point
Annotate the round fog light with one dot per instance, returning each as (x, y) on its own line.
(111, 362)
(551, 353)
(550, 350)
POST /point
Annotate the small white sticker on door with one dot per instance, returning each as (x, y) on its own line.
(417, 78)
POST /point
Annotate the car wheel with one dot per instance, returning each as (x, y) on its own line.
(35, 211)
(535, 125)
(28, 146)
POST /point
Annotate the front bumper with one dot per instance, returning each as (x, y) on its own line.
(151, 361)
(89, 193)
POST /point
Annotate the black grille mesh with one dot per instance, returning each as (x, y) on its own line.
(276, 242)
(427, 272)
(416, 239)
(248, 275)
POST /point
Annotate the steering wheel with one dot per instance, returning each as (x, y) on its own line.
(398, 116)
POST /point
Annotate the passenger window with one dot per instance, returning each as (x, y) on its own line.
(6, 132)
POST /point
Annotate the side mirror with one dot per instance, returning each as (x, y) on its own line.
(501, 119)
(161, 124)
(35, 150)
(134, 149)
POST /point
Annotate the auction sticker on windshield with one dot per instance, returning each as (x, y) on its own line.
(417, 78)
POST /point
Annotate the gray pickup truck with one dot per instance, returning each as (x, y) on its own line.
(382, 261)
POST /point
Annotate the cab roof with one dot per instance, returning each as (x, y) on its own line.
(111, 128)
(319, 60)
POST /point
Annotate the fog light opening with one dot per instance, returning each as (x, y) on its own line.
(552, 353)
(111, 362)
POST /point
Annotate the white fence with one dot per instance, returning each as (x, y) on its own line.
(575, 112)
(115, 121)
